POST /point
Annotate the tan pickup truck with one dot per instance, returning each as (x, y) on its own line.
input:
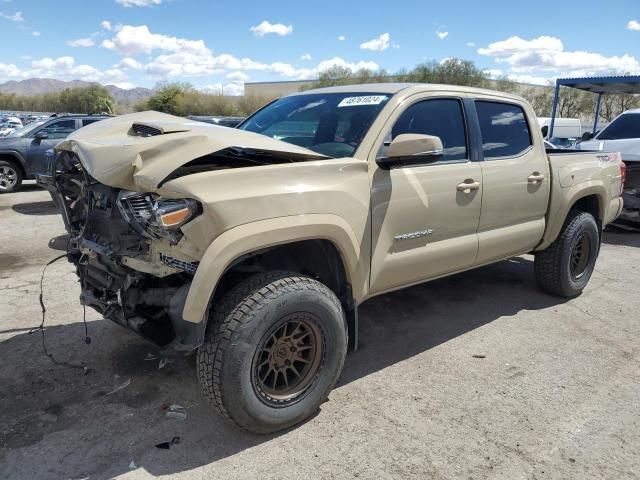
(255, 246)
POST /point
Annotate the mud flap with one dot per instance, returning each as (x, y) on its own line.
(352, 328)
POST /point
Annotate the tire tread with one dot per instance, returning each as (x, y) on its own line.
(236, 309)
(548, 263)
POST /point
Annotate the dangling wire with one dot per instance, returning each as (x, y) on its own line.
(41, 327)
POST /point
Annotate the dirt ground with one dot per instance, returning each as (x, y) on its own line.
(556, 393)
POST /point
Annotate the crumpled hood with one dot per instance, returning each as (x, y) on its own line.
(114, 154)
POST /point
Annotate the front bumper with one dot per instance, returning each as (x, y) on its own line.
(110, 259)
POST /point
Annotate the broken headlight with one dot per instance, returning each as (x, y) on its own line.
(154, 216)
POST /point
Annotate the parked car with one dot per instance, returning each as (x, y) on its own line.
(231, 122)
(623, 135)
(22, 152)
(257, 250)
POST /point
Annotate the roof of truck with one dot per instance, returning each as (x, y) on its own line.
(397, 87)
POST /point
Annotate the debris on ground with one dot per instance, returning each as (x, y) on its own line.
(132, 465)
(164, 361)
(122, 386)
(176, 411)
(167, 445)
(478, 355)
(150, 356)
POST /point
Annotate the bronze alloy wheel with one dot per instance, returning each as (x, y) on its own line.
(580, 256)
(288, 360)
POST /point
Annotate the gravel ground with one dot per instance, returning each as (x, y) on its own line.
(479, 375)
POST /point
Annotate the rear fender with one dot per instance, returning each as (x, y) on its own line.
(560, 207)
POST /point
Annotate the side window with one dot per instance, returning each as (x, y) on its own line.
(89, 121)
(440, 117)
(504, 129)
(60, 129)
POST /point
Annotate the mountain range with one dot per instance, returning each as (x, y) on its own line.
(35, 86)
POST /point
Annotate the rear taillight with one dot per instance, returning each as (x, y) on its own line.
(623, 176)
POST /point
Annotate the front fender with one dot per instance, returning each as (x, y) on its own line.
(248, 238)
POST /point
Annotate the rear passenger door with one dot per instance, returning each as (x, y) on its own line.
(515, 181)
(425, 217)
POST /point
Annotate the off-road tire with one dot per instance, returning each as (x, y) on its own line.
(552, 266)
(238, 324)
(17, 172)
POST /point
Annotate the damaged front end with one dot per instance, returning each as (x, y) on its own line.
(134, 266)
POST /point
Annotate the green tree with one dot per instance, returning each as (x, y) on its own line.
(166, 97)
(92, 99)
(453, 71)
(613, 105)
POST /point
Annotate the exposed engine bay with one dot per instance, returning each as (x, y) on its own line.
(124, 245)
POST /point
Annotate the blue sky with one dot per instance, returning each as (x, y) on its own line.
(209, 44)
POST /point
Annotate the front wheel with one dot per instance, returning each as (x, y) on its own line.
(10, 177)
(565, 267)
(274, 349)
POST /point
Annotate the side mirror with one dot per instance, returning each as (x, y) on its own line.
(411, 149)
(586, 136)
(41, 135)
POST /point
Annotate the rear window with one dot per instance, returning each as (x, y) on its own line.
(504, 129)
(625, 126)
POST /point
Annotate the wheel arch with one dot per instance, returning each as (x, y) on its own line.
(589, 198)
(318, 245)
(16, 158)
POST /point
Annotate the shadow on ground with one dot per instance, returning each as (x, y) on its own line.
(36, 208)
(60, 411)
(30, 186)
(618, 236)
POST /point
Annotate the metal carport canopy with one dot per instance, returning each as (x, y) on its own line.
(598, 85)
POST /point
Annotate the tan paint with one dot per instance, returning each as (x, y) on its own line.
(513, 207)
(583, 174)
(360, 208)
(414, 199)
(276, 231)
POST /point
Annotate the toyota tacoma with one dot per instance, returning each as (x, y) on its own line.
(255, 246)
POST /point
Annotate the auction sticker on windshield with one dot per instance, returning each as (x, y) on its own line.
(366, 100)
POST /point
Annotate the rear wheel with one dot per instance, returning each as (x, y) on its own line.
(565, 267)
(274, 349)
(10, 177)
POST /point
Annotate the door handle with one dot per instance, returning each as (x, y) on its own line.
(468, 185)
(535, 177)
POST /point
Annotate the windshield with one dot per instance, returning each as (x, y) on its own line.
(625, 126)
(24, 131)
(332, 124)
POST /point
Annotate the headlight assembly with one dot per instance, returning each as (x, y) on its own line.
(154, 216)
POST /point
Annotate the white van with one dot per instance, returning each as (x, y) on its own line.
(566, 131)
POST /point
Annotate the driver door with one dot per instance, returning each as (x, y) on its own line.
(424, 220)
